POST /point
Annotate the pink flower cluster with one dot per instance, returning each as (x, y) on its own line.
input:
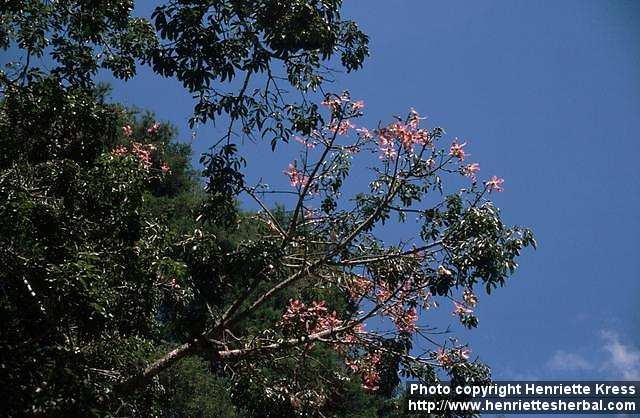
(334, 102)
(307, 143)
(352, 337)
(448, 358)
(143, 152)
(341, 128)
(367, 367)
(311, 319)
(120, 151)
(127, 130)
(470, 298)
(387, 147)
(357, 106)
(457, 150)
(470, 170)
(444, 358)
(153, 129)
(461, 310)
(404, 319)
(359, 287)
(364, 133)
(296, 178)
(408, 135)
(494, 184)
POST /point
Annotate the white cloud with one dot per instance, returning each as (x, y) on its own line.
(565, 361)
(623, 359)
(615, 359)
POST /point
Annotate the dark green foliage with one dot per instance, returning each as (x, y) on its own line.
(80, 36)
(76, 248)
(48, 121)
(205, 43)
(191, 389)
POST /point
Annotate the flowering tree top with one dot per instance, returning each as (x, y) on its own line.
(327, 248)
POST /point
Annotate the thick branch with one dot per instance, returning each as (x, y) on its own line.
(169, 359)
(193, 347)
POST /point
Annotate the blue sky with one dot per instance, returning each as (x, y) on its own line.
(548, 96)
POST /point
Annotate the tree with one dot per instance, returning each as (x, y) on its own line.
(77, 246)
(334, 249)
(126, 280)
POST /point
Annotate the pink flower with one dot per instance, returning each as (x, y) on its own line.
(461, 310)
(464, 353)
(443, 357)
(370, 375)
(457, 150)
(143, 152)
(296, 178)
(421, 136)
(352, 365)
(407, 134)
(352, 337)
(370, 380)
(165, 168)
(314, 318)
(295, 306)
(328, 322)
(406, 321)
(364, 133)
(332, 102)
(357, 105)
(403, 133)
(494, 184)
(414, 118)
(367, 367)
(127, 130)
(342, 128)
(471, 170)
(386, 145)
(295, 311)
(305, 142)
(318, 307)
(383, 294)
(444, 272)
(359, 287)
(153, 128)
(470, 298)
(374, 359)
(120, 151)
